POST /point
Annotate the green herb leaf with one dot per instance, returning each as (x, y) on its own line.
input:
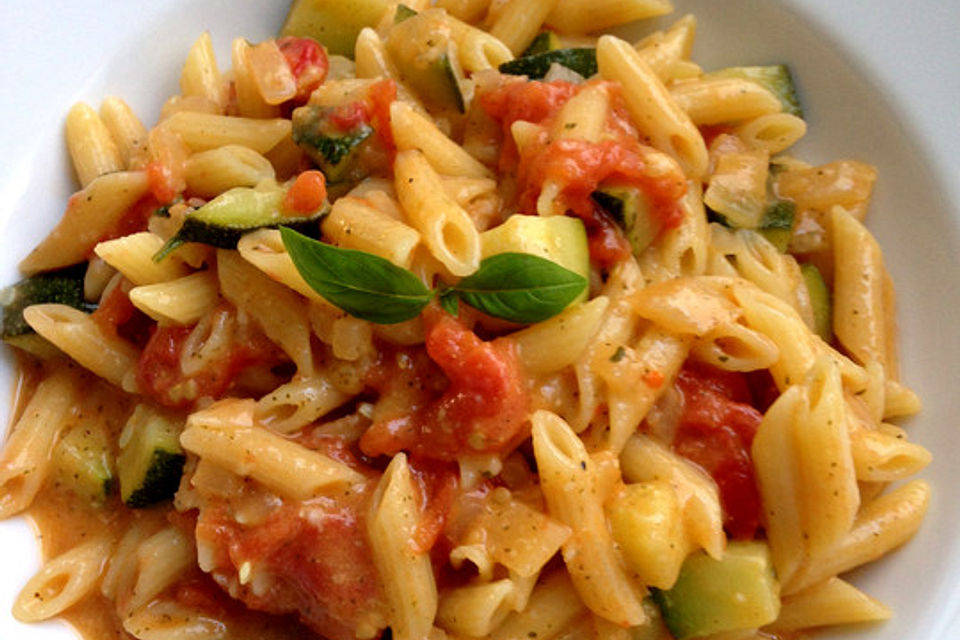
(449, 301)
(364, 285)
(520, 287)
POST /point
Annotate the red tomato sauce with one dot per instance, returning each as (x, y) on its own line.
(715, 430)
(117, 316)
(160, 376)
(481, 407)
(581, 166)
(315, 555)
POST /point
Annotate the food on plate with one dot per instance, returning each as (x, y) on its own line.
(445, 320)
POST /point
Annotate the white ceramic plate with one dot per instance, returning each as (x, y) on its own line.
(879, 82)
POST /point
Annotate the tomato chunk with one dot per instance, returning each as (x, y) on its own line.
(715, 430)
(483, 408)
(307, 61)
(161, 378)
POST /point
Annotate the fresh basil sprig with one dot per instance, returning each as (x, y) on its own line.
(519, 287)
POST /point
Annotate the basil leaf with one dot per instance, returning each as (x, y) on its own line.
(520, 287)
(449, 301)
(364, 285)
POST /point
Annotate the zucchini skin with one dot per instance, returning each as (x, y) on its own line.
(161, 480)
(334, 152)
(545, 41)
(64, 286)
(583, 60)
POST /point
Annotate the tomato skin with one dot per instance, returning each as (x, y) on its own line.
(164, 186)
(348, 117)
(307, 61)
(715, 430)
(483, 408)
(379, 97)
(135, 219)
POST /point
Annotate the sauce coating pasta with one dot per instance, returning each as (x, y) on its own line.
(487, 329)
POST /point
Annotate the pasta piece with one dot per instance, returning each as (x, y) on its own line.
(446, 228)
(80, 337)
(228, 435)
(126, 129)
(885, 454)
(161, 559)
(644, 459)
(210, 173)
(250, 103)
(830, 602)
(663, 51)
(859, 319)
(568, 479)
(658, 117)
(182, 301)
(62, 582)
(553, 605)
(882, 525)
(91, 214)
(775, 463)
(25, 459)
(773, 132)
(517, 24)
(406, 572)
(301, 401)
(276, 309)
(355, 224)
(204, 131)
(200, 76)
(681, 251)
(92, 149)
(478, 50)
(475, 610)
(412, 130)
(132, 256)
(264, 249)
(582, 16)
(553, 344)
(720, 100)
(271, 73)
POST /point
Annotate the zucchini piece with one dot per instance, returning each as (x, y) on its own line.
(820, 300)
(630, 208)
(583, 60)
(402, 13)
(334, 151)
(335, 25)
(151, 459)
(775, 78)
(422, 47)
(64, 286)
(738, 591)
(85, 464)
(777, 224)
(225, 219)
(545, 41)
(561, 239)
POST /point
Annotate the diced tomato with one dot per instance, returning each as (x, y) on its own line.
(482, 410)
(117, 316)
(308, 62)
(438, 483)
(380, 96)
(160, 376)
(348, 117)
(580, 165)
(163, 184)
(313, 557)
(307, 193)
(135, 219)
(715, 430)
